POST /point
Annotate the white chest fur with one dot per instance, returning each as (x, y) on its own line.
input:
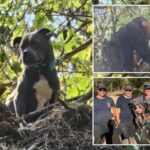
(43, 92)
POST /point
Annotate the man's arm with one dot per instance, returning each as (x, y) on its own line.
(116, 114)
(118, 110)
(115, 110)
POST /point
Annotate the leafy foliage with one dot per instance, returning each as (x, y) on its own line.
(119, 83)
(71, 23)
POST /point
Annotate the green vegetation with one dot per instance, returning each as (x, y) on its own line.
(72, 25)
(113, 84)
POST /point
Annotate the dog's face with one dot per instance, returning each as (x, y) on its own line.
(34, 48)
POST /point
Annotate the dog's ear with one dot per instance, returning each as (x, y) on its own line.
(46, 32)
(16, 42)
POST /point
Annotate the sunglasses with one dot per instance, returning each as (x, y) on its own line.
(147, 89)
(128, 90)
(102, 89)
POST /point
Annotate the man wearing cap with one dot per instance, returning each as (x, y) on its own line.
(126, 124)
(102, 114)
(145, 101)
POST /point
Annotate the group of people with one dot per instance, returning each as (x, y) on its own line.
(117, 123)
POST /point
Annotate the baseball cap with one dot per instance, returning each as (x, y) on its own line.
(128, 87)
(147, 85)
(101, 86)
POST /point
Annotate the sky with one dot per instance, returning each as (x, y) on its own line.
(105, 1)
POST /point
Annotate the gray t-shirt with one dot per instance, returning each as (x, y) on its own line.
(125, 114)
(102, 110)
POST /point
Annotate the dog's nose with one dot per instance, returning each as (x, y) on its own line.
(27, 56)
(27, 53)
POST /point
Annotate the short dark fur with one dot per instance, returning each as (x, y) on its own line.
(37, 55)
(131, 37)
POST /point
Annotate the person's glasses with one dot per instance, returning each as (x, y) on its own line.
(128, 90)
(102, 89)
(147, 88)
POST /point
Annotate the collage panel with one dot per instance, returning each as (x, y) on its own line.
(121, 110)
(48, 73)
(111, 2)
(45, 74)
(121, 66)
(121, 38)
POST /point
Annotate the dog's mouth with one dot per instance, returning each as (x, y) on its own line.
(36, 61)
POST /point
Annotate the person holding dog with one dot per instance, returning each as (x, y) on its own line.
(144, 100)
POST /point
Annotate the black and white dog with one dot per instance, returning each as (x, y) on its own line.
(39, 83)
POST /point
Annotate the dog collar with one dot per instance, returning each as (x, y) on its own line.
(52, 65)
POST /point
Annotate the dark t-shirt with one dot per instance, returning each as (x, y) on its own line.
(126, 113)
(102, 110)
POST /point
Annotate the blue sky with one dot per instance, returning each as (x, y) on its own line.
(105, 1)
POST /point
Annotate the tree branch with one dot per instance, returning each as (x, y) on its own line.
(35, 114)
(75, 51)
(85, 97)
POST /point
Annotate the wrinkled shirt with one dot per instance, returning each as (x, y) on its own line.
(102, 110)
(125, 110)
